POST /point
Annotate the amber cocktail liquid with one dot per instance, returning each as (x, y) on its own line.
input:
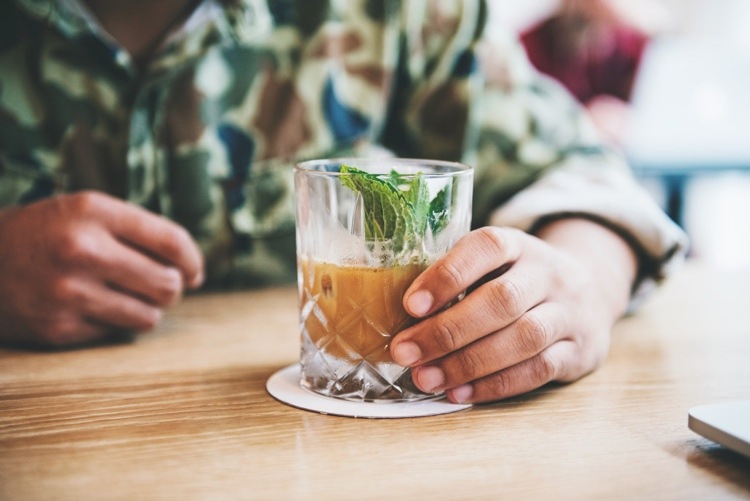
(365, 230)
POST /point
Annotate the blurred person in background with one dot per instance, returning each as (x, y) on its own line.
(594, 47)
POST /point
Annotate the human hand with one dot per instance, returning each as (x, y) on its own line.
(536, 311)
(611, 117)
(75, 268)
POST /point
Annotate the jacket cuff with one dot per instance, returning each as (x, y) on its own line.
(609, 197)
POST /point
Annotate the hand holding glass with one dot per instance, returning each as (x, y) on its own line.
(366, 228)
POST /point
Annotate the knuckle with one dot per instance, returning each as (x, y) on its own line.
(534, 334)
(65, 290)
(77, 246)
(61, 331)
(87, 202)
(449, 274)
(544, 368)
(446, 336)
(502, 385)
(470, 364)
(508, 296)
(492, 238)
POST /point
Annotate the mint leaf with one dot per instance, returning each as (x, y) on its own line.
(397, 207)
(417, 195)
(387, 213)
(440, 210)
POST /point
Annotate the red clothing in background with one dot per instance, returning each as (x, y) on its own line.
(557, 48)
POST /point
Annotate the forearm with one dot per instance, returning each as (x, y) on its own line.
(611, 260)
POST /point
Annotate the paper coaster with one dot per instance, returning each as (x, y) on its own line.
(284, 386)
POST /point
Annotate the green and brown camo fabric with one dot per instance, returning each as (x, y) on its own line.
(208, 132)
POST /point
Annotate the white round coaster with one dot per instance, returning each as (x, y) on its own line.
(284, 386)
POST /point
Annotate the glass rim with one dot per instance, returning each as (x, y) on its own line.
(457, 168)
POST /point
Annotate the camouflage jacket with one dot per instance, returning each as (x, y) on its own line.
(207, 133)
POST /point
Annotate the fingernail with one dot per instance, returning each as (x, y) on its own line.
(197, 280)
(430, 378)
(406, 353)
(419, 303)
(462, 394)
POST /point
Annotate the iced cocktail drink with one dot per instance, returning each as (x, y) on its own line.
(366, 228)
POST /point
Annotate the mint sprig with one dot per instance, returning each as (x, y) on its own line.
(438, 215)
(397, 207)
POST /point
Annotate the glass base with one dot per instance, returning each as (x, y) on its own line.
(362, 382)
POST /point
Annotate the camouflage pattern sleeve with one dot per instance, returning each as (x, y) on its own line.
(208, 132)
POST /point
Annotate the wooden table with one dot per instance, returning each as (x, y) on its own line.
(182, 413)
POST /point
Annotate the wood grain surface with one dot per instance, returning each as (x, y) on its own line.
(182, 413)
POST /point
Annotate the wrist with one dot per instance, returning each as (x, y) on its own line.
(611, 261)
